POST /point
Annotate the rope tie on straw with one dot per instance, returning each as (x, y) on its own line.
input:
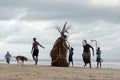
(59, 56)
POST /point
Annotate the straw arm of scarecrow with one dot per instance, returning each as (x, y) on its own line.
(65, 45)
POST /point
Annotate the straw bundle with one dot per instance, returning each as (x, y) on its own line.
(59, 51)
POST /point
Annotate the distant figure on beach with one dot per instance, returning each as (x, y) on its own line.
(8, 57)
(86, 53)
(98, 58)
(35, 50)
(71, 56)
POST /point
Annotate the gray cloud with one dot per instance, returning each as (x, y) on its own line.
(8, 28)
(81, 11)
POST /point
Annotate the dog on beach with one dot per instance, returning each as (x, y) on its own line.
(21, 59)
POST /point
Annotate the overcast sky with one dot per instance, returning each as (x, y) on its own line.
(21, 20)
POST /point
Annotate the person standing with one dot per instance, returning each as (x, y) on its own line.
(86, 53)
(98, 58)
(35, 50)
(71, 56)
(8, 57)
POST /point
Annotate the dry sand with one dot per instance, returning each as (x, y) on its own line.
(38, 72)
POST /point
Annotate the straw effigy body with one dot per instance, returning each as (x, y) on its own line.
(59, 53)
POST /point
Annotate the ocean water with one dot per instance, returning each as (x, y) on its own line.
(77, 63)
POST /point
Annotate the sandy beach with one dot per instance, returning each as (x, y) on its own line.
(38, 72)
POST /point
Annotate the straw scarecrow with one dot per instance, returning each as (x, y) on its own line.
(59, 51)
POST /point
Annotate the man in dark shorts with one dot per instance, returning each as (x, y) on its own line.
(35, 50)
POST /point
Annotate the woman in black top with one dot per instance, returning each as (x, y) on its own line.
(86, 53)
